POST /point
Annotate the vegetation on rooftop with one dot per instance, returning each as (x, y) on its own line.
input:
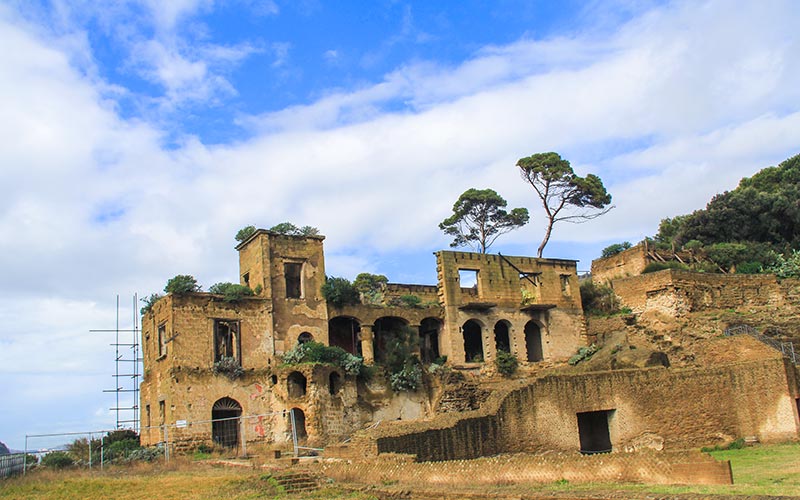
(182, 284)
(315, 352)
(231, 292)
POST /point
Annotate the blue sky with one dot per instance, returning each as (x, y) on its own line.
(138, 136)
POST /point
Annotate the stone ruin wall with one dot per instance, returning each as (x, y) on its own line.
(630, 262)
(676, 293)
(652, 408)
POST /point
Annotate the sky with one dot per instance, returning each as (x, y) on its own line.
(138, 136)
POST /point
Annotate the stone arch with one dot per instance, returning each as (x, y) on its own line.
(296, 385)
(502, 336)
(305, 337)
(472, 331)
(343, 331)
(429, 329)
(225, 415)
(533, 341)
(384, 329)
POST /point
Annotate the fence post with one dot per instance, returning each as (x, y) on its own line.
(166, 444)
(90, 449)
(294, 432)
(242, 431)
(25, 463)
(102, 451)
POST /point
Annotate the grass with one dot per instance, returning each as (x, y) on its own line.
(769, 470)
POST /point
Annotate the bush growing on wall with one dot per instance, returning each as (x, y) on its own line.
(506, 363)
(182, 284)
(149, 302)
(315, 352)
(339, 292)
(231, 292)
(599, 300)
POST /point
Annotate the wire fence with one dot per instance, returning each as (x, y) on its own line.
(11, 465)
(230, 436)
(786, 348)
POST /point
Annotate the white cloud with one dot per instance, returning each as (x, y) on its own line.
(677, 105)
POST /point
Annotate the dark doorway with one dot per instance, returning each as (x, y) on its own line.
(473, 342)
(334, 383)
(533, 341)
(501, 340)
(429, 340)
(389, 330)
(593, 431)
(225, 422)
(296, 385)
(299, 420)
(343, 332)
(305, 337)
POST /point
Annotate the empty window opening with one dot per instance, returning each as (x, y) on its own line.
(227, 343)
(296, 385)
(293, 272)
(473, 342)
(273, 380)
(468, 278)
(501, 339)
(533, 341)
(593, 431)
(344, 332)
(147, 415)
(162, 339)
(334, 383)
(297, 421)
(225, 422)
(246, 279)
(565, 286)
(429, 340)
(162, 412)
(388, 331)
(304, 337)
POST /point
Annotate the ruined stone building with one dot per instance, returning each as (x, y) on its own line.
(527, 306)
(481, 304)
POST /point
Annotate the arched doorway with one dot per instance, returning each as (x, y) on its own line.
(298, 420)
(429, 340)
(533, 341)
(388, 330)
(225, 422)
(473, 342)
(305, 337)
(343, 332)
(296, 385)
(501, 337)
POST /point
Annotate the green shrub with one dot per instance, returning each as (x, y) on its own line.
(506, 363)
(339, 292)
(144, 455)
(231, 292)
(786, 267)
(599, 300)
(749, 268)
(371, 287)
(182, 284)
(660, 266)
(315, 352)
(583, 354)
(615, 249)
(245, 233)
(58, 460)
(149, 302)
(228, 366)
(410, 300)
(409, 377)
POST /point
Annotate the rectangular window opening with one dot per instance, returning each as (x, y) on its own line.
(565, 286)
(147, 415)
(162, 339)
(593, 429)
(162, 412)
(227, 341)
(246, 279)
(293, 272)
(468, 278)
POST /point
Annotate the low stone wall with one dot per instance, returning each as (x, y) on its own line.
(683, 467)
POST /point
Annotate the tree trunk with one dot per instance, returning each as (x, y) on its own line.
(546, 238)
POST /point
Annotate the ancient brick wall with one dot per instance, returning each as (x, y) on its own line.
(630, 262)
(679, 292)
(646, 408)
(677, 467)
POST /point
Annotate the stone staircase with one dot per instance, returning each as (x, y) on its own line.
(297, 481)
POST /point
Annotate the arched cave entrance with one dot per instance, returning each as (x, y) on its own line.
(473, 342)
(429, 339)
(343, 332)
(533, 341)
(501, 337)
(225, 415)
